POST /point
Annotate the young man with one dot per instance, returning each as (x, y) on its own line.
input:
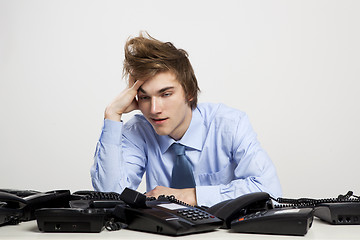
(222, 157)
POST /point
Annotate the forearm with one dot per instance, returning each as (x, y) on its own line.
(110, 171)
(125, 102)
(210, 195)
(107, 158)
(106, 172)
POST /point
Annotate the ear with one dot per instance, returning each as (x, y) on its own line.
(189, 100)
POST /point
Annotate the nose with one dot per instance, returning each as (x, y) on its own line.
(156, 105)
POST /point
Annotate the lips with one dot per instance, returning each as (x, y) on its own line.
(158, 120)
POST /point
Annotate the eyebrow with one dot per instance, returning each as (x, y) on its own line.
(160, 91)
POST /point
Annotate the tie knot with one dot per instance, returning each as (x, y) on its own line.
(179, 149)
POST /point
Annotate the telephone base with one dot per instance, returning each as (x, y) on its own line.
(284, 221)
(341, 213)
(71, 220)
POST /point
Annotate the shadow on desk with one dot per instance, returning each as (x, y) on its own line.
(319, 230)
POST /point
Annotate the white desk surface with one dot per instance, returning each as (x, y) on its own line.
(319, 230)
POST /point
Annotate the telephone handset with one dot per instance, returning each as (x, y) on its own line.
(246, 204)
(17, 206)
(164, 215)
(10, 208)
(20, 193)
(255, 213)
(11, 200)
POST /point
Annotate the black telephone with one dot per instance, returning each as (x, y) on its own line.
(342, 210)
(91, 211)
(255, 213)
(88, 211)
(164, 215)
(20, 205)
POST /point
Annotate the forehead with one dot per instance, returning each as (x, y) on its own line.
(159, 82)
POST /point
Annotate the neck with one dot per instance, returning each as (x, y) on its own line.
(183, 127)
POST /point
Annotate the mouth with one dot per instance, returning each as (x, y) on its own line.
(159, 120)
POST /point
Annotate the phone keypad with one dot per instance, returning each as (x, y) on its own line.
(195, 214)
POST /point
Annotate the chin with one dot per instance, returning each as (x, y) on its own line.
(161, 132)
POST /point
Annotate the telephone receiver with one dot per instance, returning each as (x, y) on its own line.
(249, 203)
(17, 206)
(10, 208)
(12, 201)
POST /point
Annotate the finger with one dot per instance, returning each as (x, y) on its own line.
(149, 194)
(131, 80)
(137, 85)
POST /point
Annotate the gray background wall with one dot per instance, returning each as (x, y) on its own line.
(293, 66)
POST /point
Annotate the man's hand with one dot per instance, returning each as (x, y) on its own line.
(186, 195)
(125, 102)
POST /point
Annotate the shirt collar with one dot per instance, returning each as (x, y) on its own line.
(193, 137)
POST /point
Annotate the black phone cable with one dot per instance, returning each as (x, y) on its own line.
(309, 202)
(113, 225)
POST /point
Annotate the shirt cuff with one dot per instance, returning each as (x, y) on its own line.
(208, 195)
(111, 132)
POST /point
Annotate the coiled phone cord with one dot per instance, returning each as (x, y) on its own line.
(309, 202)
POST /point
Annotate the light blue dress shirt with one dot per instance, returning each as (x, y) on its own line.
(226, 157)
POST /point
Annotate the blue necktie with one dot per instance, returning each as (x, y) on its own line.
(182, 174)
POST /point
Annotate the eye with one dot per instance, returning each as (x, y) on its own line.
(167, 94)
(144, 97)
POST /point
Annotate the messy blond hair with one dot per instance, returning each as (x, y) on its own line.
(146, 56)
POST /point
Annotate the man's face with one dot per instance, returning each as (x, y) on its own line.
(162, 101)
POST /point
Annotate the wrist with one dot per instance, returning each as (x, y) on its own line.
(112, 115)
(189, 196)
